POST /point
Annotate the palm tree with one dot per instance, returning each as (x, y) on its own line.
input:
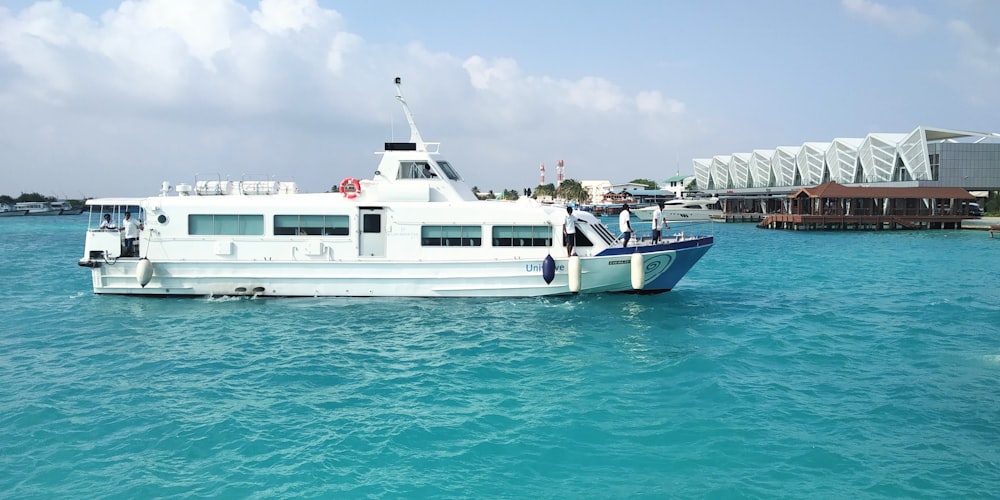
(572, 190)
(545, 190)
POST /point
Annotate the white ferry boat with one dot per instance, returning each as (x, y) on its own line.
(414, 229)
(683, 210)
(36, 208)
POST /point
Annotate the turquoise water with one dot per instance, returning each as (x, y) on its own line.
(800, 365)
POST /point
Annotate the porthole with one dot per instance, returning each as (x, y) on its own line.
(162, 219)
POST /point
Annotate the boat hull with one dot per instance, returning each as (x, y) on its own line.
(664, 266)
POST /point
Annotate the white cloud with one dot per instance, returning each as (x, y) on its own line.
(977, 51)
(279, 17)
(203, 28)
(653, 103)
(905, 21)
(594, 93)
(978, 60)
(342, 44)
(482, 74)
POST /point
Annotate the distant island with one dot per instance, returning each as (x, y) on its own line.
(29, 197)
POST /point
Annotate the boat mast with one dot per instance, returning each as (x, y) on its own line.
(414, 133)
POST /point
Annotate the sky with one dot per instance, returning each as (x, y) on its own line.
(111, 98)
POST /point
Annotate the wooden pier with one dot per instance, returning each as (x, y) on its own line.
(751, 217)
(831, 207)
(801, 222)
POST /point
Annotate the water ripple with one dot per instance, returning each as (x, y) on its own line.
(784, 365)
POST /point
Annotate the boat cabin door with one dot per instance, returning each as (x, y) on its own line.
(372, 240)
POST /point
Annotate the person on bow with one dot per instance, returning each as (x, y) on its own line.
(657, 222)
(569, 231)
(625, 224)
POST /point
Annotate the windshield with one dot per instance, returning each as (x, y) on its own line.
(448, 170)
(117, 213)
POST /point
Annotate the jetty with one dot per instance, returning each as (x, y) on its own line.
(738, 217)
(832, 206)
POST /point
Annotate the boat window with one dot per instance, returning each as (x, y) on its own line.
(522, 236)
(451, 236)
(581, 239)
(117, 213)
(313, 225)
(449, 171)
(371, 223)
(414, 170)
(207, 224)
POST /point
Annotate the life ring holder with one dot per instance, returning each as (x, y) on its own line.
(355, 187)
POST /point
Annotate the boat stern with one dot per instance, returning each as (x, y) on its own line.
(100, 246)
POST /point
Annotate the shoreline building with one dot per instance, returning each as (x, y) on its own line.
(761, 180)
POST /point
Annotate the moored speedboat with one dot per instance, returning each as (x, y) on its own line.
(683, 210)
(65, 208)
(415, 229)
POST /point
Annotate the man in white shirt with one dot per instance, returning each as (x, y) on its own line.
(107, 223)
(625, 224)
(569, 231)
(657, 221)
(131, 227)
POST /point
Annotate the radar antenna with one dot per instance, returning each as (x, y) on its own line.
(414, 133)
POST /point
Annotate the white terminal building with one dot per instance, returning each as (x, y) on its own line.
(925, 157)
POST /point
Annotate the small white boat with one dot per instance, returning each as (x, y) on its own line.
(414, 229)
(683, 210)
(65, 208)
(37, 208)
(10, 211)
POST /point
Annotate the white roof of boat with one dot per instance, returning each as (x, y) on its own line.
(113, 201)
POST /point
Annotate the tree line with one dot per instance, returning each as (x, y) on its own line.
(26, 197)
(569, 189)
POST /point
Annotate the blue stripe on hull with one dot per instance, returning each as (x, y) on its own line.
(688, 253)
(685, 260)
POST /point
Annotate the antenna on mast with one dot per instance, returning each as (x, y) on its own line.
(414, 133)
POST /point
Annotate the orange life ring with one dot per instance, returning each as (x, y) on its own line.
(355, 187)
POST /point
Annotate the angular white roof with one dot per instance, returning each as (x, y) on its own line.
(842, 159)
(760, 168)
(739, 170)
(720, 172)
(878, 157)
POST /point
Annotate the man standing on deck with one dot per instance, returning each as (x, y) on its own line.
(657, 222)
(625, 224)
(569, 231)
(131, 227)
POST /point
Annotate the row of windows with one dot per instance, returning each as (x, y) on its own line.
(522, 236)
(339, 225)
(226, 225)
(313, 225)
(253, 225)
(503, 236)
(451, 236)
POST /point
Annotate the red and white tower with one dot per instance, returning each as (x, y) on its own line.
(559, 172)
(541, 168)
